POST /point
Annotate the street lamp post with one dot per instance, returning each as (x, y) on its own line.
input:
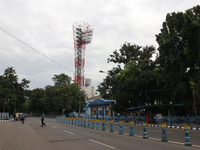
(108, 90)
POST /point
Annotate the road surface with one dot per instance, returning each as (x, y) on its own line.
(61, 136)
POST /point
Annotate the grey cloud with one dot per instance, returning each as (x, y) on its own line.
(47, 27)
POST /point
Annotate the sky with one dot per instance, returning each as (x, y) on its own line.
(36, 37)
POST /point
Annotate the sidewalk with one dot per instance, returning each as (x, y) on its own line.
(18, 136)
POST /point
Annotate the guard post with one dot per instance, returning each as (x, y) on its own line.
(145, 134)
(92, 127)
(79, 122)
(131, 133)
(88, 123)
(103, 125)
(97, 126)
(111, 126)
(75, 122)
(164, 136)
(84, 122)
(121, 128)
(187, 138)
(72, 121)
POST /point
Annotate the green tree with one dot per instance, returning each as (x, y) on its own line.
(12, 92)
(179, 55)
(37, 101)
(130, 85)
(63, 95)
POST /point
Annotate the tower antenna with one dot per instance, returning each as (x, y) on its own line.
(82, 36)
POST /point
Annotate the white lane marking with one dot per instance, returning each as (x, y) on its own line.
(54, 127)
(101, 144)
(155, 139)
(176, 142)
(196, 146)
(138, 136)
(69, 132)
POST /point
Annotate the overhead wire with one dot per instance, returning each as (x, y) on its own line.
(35, 49)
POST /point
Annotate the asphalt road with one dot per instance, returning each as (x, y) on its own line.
(61, 136)
(175, 135)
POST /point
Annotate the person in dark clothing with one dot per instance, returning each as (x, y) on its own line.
(42, 120)
(23, 117)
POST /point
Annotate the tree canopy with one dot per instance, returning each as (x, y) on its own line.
(179, 54)
(61, 98)
(173, 76)
(12, 93)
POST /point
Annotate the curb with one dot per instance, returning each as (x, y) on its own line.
(5, 120)
(175, 127)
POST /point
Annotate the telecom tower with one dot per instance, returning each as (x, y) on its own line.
(82, 36)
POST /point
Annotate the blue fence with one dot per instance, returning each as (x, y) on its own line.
(169, 120)
(4, 115)
(48, 116)
(172, 121)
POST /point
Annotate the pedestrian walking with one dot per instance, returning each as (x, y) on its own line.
(42, 120)
(19, 117)
(23, 118)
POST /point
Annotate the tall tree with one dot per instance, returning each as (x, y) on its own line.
(179, 54)
(130, 85)
(12, 92)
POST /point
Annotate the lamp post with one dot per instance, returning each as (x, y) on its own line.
(108, 90)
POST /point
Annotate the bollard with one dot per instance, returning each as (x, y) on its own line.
(103, 125)
(97, 126)
(145, 134)
(75, 122)
(88, 123)
(121, 128)
(79, 122)
(111, 126)
(69, 121)
(187, 138)
(66, 120)
(164, 136)
(92, 127)
(131, 133)
(72, 121)
(84, 122)
(61, 120)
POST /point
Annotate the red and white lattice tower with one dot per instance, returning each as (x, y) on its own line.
(82, 36)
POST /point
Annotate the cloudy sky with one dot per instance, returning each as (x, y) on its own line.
(45, 26)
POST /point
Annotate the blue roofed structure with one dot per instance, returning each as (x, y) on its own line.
(99, 108)
(101, 102)
(152, 106)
